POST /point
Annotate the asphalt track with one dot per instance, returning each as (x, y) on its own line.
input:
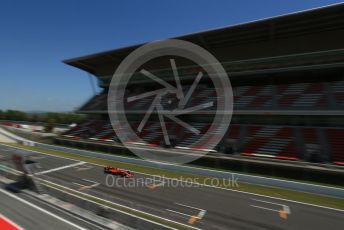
(34, 215)
(200, 207)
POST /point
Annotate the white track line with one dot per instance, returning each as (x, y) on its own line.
(118, 210)
(60, 168)
(65, 212)
(11, 222)
(201, 212)
(269, 209)
(188, 206)
(180, 213)
(83, 186)
(268, 202)
(286, 208)
(41, 209)
(213, 170)
(84, 168)
(91, 181)
(205, 185)
(78, 184)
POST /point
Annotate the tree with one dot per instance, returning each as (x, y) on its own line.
(56, 118)
(49, 126)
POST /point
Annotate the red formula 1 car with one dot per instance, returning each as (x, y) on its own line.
(118, 171)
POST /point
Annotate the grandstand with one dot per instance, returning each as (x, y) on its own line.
(287, 75)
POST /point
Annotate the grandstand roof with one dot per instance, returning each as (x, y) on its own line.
(291, 34)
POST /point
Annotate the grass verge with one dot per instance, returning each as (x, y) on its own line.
(245, 187)
(262, 174)
(117, 207)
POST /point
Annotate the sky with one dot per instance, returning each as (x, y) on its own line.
(36, 35)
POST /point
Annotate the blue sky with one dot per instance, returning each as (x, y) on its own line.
(37, 35)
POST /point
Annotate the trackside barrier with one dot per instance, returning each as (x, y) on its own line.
(9, 173)
(327, 173)
(16, 138)
(101, 210)
(258, 180)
